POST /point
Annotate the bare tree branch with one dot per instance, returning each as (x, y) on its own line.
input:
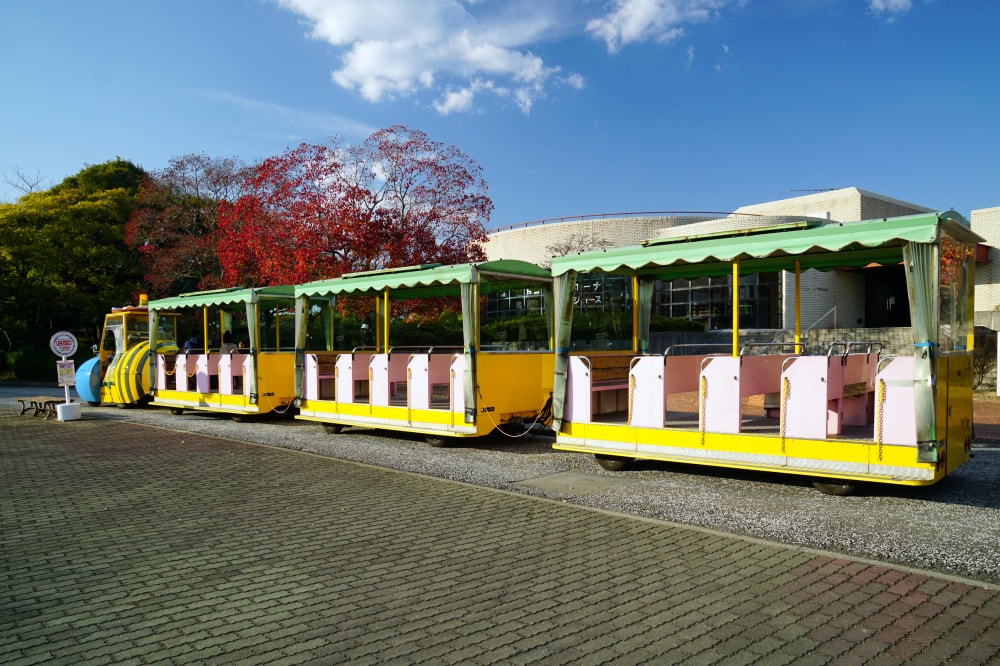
(22, 182)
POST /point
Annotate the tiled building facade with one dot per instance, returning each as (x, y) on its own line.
(986, 223)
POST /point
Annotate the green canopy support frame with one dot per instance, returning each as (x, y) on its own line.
(470, 344)
(562, 295)
(154, 327)
(921, 261)
(301, 331)
(642, 308)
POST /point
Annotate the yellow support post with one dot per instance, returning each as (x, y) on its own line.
(736, 308)
(798, 310)
(477, 339)
(385, 320)
(635, 314)
(204, 325)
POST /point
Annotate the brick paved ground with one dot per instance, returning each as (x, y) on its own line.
(126, 544)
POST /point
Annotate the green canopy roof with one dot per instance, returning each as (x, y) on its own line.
(216, 297)
(424, 280)
(814, 244)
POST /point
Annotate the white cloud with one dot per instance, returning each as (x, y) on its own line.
(457, 50)
(889, 8)
(650, 20)
(455, 101)
(397, 48)
(575, 81)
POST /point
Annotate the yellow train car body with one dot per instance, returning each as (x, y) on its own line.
(841, 415)
(239, 358)
(466, 383)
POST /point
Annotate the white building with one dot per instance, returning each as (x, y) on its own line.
(874, 297)
(986, 223)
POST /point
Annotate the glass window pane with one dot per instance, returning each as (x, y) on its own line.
(955, 273)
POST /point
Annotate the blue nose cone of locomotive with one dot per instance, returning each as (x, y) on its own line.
(88, 381)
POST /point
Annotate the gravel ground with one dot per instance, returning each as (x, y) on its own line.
(951, 528)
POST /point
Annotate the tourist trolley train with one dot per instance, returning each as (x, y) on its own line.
(460, 351)
(118, 373)
(491, 371)
(238, 358)
(843, 414)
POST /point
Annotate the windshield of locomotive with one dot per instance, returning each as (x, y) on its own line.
(955, 283)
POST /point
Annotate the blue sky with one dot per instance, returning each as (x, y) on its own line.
(572, 107)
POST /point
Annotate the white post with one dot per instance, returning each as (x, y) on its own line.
(66, 386)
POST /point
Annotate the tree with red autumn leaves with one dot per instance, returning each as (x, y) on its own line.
(318, 211)
(173, 226)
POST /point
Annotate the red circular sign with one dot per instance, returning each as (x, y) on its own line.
(63, 343)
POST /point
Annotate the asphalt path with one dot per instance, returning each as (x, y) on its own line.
(951, 528)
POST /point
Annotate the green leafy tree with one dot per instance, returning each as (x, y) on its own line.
(63, 258)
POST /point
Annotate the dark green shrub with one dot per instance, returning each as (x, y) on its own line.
(984, 356)
(34, 365)
(662, 323)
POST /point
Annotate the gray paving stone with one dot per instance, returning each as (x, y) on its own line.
(122, 543)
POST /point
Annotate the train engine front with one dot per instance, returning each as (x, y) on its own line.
(118, 374)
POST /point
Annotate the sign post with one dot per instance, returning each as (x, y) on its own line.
(63, 344)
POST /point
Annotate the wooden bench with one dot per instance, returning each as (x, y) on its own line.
(326, 373)
(40, 404)
(609, 373)
(597, 384)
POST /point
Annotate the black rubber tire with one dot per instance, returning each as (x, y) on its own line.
(436, 441)
(333, 428)
(612, 463)
(841, 489)
(176, 411)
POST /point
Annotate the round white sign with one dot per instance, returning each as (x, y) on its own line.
(63, 343)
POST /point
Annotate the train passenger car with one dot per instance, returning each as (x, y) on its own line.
(840, 415)
(396, 359)
(237, 357)
(118, 373)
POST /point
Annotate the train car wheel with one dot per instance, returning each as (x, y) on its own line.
(836, 489)
(333, 428)
(612, 463)
(176, 411)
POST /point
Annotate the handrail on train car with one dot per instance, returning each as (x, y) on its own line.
(883, 360)
(444, 348)
(870, 346)
(424, 349)
(793, 345)
(724, 345)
